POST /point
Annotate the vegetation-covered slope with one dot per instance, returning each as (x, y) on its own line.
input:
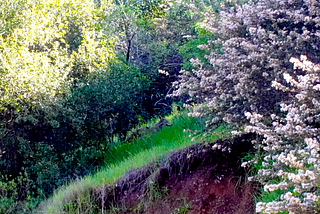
(146, 178)
(77, 77)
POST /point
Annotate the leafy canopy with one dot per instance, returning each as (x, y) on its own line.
(43, 42)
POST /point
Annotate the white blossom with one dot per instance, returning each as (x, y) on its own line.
(303, 149)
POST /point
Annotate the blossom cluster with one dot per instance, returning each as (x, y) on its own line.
(257, 41)
(292, 144)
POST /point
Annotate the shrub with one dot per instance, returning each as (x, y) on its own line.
(256, 41)
(108, 103)
(292, 144)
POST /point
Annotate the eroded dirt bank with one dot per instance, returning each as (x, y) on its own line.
(202, 178)
(199, 193)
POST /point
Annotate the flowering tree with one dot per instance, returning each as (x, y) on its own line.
(254, 44)
(292, 144)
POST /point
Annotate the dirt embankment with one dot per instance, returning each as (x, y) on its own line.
(202, 178)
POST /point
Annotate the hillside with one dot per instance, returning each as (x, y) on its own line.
(204, 177)
(113, 106)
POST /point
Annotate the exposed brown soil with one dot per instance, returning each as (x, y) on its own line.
(200, 194)
(202, 178)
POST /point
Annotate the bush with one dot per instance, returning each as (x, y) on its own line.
(257, 40)
(109, 102)
(291, 161)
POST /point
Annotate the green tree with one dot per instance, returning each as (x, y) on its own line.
(46, 47)
(43, 44)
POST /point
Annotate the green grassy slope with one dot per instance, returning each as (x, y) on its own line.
(76, 196)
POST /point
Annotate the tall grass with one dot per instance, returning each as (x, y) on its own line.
(75, 197)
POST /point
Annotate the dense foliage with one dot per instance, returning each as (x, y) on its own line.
(64, 96)
(149, 35)
(76, 76)
(108, 102)
(45, 47)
